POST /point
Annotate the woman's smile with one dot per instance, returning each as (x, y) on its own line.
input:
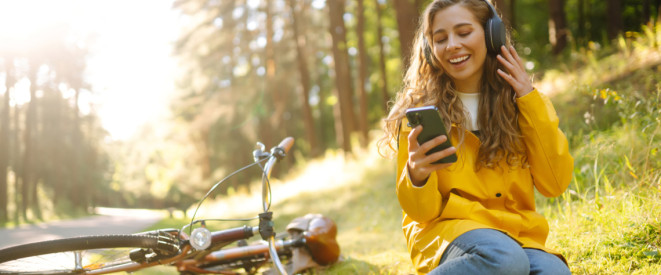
(461, 59)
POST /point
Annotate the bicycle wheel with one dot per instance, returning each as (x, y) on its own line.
(75, 255)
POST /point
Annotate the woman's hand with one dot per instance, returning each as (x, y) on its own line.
(419, 164)
(516, 73)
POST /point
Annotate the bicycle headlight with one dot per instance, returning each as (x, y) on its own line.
(200, 238)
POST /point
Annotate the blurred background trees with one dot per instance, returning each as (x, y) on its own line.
(321, 71)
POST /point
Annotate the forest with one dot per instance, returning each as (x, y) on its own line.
(321, 71)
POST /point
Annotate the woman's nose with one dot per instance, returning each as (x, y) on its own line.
(452, 43)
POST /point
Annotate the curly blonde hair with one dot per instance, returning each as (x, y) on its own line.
(422, 85)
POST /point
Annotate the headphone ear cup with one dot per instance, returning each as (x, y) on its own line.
(495, 34)
(494, 31)
(426, 49)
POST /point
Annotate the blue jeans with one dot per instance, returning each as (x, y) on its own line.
(488, 251)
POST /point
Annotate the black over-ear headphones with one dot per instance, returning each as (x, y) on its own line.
(494, 36)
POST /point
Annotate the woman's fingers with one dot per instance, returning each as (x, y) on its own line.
(441, 155)
(432, 143)
(516, 57)
(516, 74)
(419, 158)
(419, 163)
(511, 62)
(413, 138)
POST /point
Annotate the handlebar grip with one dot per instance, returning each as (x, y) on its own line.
(286, 144)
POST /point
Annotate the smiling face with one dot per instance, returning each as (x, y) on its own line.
(458, 44)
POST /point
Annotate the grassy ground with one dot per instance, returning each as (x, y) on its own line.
(358, 194)
(618, 232)
(607, 222)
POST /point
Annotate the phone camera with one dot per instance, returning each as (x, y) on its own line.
(414, 120)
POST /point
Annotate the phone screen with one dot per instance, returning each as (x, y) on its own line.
(432, 127)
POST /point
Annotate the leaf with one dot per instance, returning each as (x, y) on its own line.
(632, 171)
(653, 253)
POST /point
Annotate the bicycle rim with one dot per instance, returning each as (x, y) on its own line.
(74, 255)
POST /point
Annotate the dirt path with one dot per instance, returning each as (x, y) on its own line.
(108, 221)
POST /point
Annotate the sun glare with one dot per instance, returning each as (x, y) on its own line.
(129, 65)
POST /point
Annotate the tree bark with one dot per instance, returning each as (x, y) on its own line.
(4, 145)
(28, 140)
(614, 24)
(304, 72)
(580, 38)
(76, 156)
(505, 9)
(658, 11)
(408, 14)
(383, 81)
(272, 89)
(362, 74)
(266, 113)
(16, 164)
(512, 14)
(557, 26)
(342, 74)
(647, 16)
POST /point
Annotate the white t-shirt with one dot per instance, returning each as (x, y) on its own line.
(470, 101)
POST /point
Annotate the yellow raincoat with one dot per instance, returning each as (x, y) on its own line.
(458, 199)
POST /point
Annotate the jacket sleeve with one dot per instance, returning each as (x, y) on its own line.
(422, 204)
(551, 165)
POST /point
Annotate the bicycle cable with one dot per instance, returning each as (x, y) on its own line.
(268, 183)
(217, 185)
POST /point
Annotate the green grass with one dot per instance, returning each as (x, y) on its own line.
(358, 194)
(607, 222)
(619, 234)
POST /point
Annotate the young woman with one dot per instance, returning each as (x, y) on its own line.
(477, 215)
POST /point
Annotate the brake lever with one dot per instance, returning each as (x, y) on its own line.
(259, 154)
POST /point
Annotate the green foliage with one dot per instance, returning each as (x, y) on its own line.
(607, 222)
(618, 234)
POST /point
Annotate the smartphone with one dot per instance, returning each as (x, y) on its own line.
(432, 127)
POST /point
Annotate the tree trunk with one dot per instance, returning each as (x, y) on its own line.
(383, 81)
(647, 15)
(272, 89)
(580, 38)
(408, 14)
(658, 11)
(342, 74)
(16, 164)
(76, 156)
(614, 24)
(513, 14)
(28, 140)
(557, 26)
(4, 145)
(505, 7)
(57, 146)
(304, 72)
(362, 75)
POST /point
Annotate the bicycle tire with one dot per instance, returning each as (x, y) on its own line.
(58, 256)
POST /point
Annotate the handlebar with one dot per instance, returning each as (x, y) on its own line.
(286, 144)
(277, 153)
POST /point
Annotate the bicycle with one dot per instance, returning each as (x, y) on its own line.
(198, 251)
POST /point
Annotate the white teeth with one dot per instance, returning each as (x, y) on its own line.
(458, 59)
